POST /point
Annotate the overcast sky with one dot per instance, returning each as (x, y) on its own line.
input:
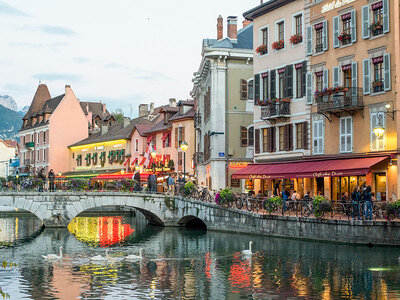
(123, 52)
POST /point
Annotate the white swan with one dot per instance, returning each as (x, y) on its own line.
(100, 258)
(248, 251)
(54, 256)
(135, 257)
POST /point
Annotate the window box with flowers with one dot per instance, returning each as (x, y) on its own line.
(344, 38)
(376, 28)
(377, 85)
(262, 49)
(296, 39)
(278, 45)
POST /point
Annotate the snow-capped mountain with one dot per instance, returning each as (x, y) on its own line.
(8, 102)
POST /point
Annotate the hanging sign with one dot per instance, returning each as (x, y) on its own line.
(335, 4)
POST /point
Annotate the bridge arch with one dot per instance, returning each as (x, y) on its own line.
(194, 222)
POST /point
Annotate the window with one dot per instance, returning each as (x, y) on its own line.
(167, 141)
(181, 135)
(37, 138)
(319, 76)
(264, 36)
(377, 17)
(377, 119)
(319, 42)
(180, 158)
(250, 89)
(299, 82)
(207, 105)
(243, 89)
(136, 145)
(346, 134)
(243, 136)
(265, 140)
(37, 156)
(298, 24)
(44, 137)
(281, 82)
(250, 136)
(346, 25)
(318, 137)
(282, 138)
(377, 83)
(44, 154)
(281, 31)
(265, 87)
(299, 136)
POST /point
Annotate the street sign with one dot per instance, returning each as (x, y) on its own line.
(221, 154)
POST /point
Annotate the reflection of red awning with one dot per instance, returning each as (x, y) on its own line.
(149, 138)
(164, 136)
(134, 161)
(309, 169)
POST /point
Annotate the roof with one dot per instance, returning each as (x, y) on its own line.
(116, 131)
(264, 8)
(9, 143)
(42, 94)
(160, 126)
(166, 108)
(142, 128)
(186, 102)
(51, 104)
(95, 107)
(244, 40)
(188, 115)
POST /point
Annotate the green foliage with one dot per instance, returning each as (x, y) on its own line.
(188, 188)
(226, 195)
(321, 205)
(31, 183)
(119, 115)
(393, 210)
(125, 185)
(77, 184)
(272, 204)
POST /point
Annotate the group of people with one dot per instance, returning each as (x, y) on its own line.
(51, 177)
(170, 184)
(359, 196)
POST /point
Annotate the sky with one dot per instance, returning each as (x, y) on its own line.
(122, 52)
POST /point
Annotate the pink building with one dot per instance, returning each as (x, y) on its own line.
(49, 127)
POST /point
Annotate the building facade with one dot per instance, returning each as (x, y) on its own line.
(8, 156)
(224, 110)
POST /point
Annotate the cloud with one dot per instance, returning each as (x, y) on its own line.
(13, 88)
(9, 10)
(39, 45)
(59, 30)
(81, 60)
(140, 74)
(56, 76)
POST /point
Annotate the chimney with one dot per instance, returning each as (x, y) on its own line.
(67, 88)
(172, 102)
(104, 129)
(143, 110)
(220, 28)
(232, 27)
(261, 1)
(245, 23)
(104, 108)
(151, 108)
(127, 121)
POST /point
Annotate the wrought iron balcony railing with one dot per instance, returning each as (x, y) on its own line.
(30, 145)
(349, 99)
(278, 109)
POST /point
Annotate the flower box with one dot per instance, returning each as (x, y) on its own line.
(375, 26)
(296, 39)
(377, 83)
(278, 45)
(262, 49)
(344, 37)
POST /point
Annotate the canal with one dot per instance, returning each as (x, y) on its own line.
(184, 264)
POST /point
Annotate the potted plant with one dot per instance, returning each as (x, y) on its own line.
(278, 45)
(321, 206)
(295, 39)
(344, 37)
(226, 196)
(377, 83)
(272, 204)
(262, 49)
(375, 26)
(188, 188)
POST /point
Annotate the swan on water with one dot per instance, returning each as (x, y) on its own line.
(100, 258)
(54, 256)
(135, 257)
(248, 251)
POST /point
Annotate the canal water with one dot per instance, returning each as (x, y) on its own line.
(184, 264)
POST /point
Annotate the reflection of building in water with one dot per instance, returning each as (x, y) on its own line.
(14, 228)
(102, 231)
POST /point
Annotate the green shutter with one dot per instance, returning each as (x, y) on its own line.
(256, 88)
(289, 81)
(353, 26)
(386, 72)
(385, 16)
(366, 77)
(335, 32)
(325, 35)
(273, 84)
(309, 93)
(309, 50)
(365, 22)
(325, 81)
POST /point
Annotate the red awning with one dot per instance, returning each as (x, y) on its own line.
(134, 161)
(309, 169)
(119, 176)
(165, 136)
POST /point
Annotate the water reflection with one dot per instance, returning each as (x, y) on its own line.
(191, 265)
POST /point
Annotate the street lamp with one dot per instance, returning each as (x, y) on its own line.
(184, 147)
(153, 154)
(379, 131)
(137, 167)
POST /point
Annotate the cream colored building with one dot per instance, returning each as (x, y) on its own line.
(8, 151)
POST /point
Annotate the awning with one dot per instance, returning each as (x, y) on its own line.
(309, 169)
(119, 176)
(134, 161)
(84, 174)
(165, 136)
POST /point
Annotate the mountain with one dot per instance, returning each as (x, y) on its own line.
(23, 110)
(11, 122)
(8, 102)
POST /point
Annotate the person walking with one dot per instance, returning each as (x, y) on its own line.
(171, 184)
(42, 176)
(52, 177)
(136, 180)
(355, 200)
(181, 183)
(152, 183)
(285, 197)
(276, 188)
(368, 203)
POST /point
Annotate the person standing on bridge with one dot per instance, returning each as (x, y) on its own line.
(42, 176)
(51, 176)
(136, 180)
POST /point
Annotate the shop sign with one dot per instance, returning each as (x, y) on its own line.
(327, 174)
(335, 4)
(99, 147)
(238, 165)
(117, 145)
(235, 182)
(157, 169)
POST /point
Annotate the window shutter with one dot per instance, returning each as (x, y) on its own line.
(269, 135)
(385, 16)
(354, 84)
(303, 81)
(366, 77)
(386, 71)
(325, 79)
(305, 135)
(273, 139)
(309, 50)
(335, 32)
(335, 76)
(353, 26)
(309, 85)
(373, 136)
(290, 133)
(176, 137)
(287, 137)
(257, 141)
(243, 89)
(325, 35)
(273, 84)
(243, 136)
(365, 22)
(256, 88)
(289, 81)
(183, 134)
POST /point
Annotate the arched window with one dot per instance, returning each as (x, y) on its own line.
(250, 89)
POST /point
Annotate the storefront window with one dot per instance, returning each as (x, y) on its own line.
(380, 187)
(341, 185)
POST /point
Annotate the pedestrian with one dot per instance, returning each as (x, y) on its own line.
(152, 183)
(171, 184)
(42, 177)
(307, 196)
(52, 177)
(276, 188)
(136, 180)
(345, 203)
(285, 197)
(355, 200)
(181, 183)
(368, 203)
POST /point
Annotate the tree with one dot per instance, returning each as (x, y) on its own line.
(119, 115)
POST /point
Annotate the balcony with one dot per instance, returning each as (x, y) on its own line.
(349, 99)
(197, 120)
(198, 158)
(29, 145)
(275, 110)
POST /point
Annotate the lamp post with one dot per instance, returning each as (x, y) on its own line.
(153, 156)
(184, 147)
(137, 168)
